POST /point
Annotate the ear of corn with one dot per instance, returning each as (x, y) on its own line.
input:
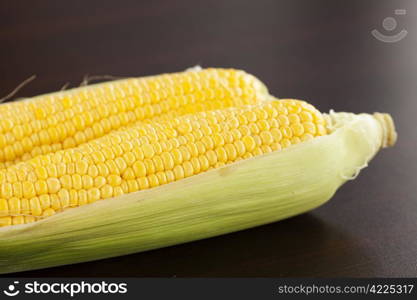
(66, 119)
(244, 194)
(148, 155)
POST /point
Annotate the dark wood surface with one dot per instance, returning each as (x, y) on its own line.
(321, 51)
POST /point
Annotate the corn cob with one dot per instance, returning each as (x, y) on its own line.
(66, 119)
(149, 155)
(227, 170)
(237, 196)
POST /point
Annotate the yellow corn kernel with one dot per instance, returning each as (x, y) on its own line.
(5, 221)
(48, 212)
(106, 191)
(29, 219)
(99, 181)
(178, 172)
(73, 198)
(18, 189)
(77, 181)
(64, 198)
(66, 181)
(82, 197)
(87, 181)
(16, 220)
(44, 201)
(93, 195)
(133, 186)
(28, 189)
(55, 203)
(6, 190)
(114, 180)
(81, 167)
(25, 207)
(54, 185)
(35, 207)
(117, 191)
(4, 207)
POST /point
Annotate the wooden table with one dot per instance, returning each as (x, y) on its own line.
(321, 51)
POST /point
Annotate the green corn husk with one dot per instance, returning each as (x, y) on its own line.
(249, 193)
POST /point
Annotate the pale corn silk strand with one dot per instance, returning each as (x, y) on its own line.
(94, 78)
(65, 86)
(87, 79)
(90, 78)
(359, 168)
(252, 138)
(18, 88)
(331, 126)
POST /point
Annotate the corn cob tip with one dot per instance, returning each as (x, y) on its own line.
(388, 129)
